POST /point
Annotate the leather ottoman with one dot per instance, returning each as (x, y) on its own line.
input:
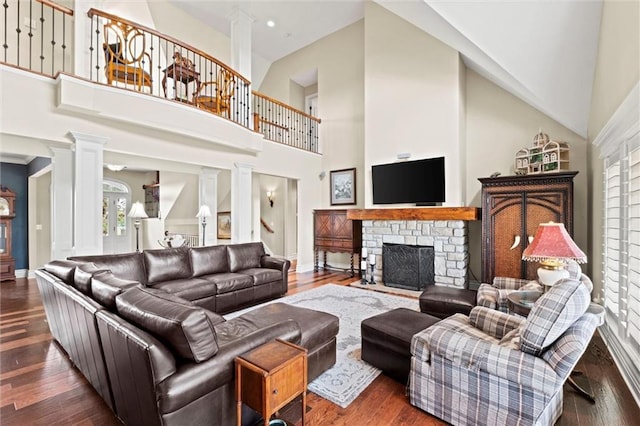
(318, 331)
(442, 302)
(386, 340)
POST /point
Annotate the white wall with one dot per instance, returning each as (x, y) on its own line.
(617, 72)
(411, 98)
(43, 221)
(339, 60)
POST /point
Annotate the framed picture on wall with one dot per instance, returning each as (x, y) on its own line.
(224, 225)
(343, 186)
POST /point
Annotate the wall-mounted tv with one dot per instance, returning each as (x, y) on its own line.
(420, 182)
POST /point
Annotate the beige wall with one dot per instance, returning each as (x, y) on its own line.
(339, 60)
(43, 219)
(498, 125)
(617, 72)
(412, 98)
(171, 20)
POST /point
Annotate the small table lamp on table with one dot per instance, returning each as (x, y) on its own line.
(137, 212)
(551, 246)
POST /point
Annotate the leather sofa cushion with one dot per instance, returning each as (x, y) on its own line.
(262, 275)
(127, 266)
(189, 288)
(82, 276)
(244, 256)
(167, 264)
(105, 287)
(186, 328)
(209, 260)
(229, 282)
(63, 269)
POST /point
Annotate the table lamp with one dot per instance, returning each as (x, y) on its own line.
(137, 212)
(203, 214)
(551, 246)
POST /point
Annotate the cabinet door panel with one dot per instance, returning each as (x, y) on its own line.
(323, 225)
(341, 226)
(507, 231)
(541, 209)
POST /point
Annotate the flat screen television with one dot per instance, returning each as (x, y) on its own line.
(420, 182)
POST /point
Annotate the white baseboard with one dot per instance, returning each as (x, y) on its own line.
(22, 273)
(627, 367)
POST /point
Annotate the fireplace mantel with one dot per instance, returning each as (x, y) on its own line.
(426, 213)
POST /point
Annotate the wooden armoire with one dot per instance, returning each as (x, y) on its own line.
(333, 232)
(512, 209)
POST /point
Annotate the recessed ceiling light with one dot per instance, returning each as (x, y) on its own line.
(270, 23)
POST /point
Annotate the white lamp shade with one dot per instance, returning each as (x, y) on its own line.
(137, 210)
(204, 211)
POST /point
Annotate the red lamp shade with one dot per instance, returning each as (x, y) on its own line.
(552, 241)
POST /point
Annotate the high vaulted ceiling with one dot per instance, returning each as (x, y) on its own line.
(542, 51)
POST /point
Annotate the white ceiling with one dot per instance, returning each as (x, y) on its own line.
(542, 51)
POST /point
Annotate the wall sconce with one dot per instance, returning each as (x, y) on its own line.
(116, 167)
(204, 213)
(270, 197)
(137, 212)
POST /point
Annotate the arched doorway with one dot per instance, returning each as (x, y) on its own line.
(116, 199)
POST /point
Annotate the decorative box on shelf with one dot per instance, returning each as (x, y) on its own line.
(545, 156)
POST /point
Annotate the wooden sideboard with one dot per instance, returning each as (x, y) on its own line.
(333, 232)
(512, 209)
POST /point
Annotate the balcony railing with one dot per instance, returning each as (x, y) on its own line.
(130, 55)
(279, 122)
(38, 35)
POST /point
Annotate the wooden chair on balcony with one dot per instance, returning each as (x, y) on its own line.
(215, 96)
(127, 60)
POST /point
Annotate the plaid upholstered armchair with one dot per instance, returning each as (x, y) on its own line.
(494, 296)
(492, 368)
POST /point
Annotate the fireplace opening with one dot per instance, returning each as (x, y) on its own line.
(407, 266)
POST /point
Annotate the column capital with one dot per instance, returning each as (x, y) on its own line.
(84, 137)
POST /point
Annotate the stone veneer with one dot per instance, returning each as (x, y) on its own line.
(449, 239)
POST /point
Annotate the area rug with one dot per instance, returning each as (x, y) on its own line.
(342, 383)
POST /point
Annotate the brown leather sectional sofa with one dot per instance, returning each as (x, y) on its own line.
(157, 352)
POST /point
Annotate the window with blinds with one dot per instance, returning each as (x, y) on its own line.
(619, 146)
(621, 272)
(633, 271)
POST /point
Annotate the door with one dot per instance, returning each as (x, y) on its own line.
(116, 237)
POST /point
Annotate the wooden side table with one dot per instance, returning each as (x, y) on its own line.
(520, 302)
(183, 74)
(271, 376)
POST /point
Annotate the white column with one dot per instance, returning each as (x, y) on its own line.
(241, 203)
(61, 203)
(241, 49)
(88, 193)
(83, 57)
(208, 195)
(241, 42)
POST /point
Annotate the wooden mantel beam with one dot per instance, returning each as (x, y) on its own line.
(426, 213)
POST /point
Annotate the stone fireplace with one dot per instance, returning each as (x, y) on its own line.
(444, 229)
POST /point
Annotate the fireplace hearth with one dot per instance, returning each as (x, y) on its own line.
(407, 266)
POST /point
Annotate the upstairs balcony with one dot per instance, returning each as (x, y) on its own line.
(42, 37)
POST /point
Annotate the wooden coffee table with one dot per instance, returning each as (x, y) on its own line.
(271, 376)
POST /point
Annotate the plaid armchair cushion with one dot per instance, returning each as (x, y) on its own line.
(493, 322)
(552, 315)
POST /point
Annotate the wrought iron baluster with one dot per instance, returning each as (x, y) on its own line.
(42, 37)
(53, 40)
(64, 40)
(18, 31)
(30, 33)
(5, 46)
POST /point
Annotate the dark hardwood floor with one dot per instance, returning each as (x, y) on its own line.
(39, 386)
